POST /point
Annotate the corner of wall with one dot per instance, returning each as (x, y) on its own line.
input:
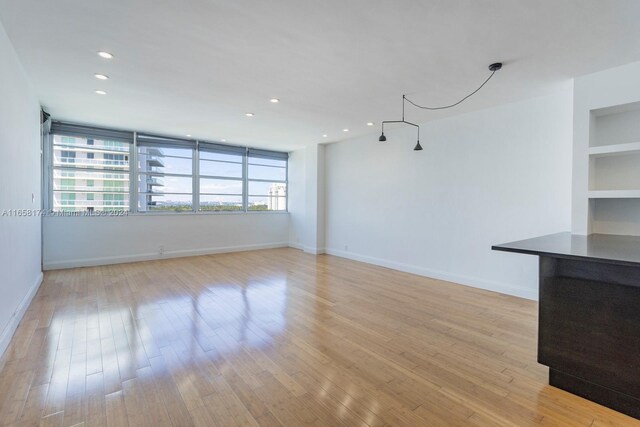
(16, 318)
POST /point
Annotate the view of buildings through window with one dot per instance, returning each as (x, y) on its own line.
(89, 174)
(93, 175)
(221, 180)
(165, 179)
(267, 183)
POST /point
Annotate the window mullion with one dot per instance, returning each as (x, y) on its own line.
(133, 174)
(50, 168)
(245, 181)
(195, 177)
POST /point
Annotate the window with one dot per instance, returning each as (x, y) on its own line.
(67, 156)
(67, 200)
(267, 181)
(221, 177)
(84, 177)
(67, 184)
(165, 174)
(92, 171)
(115, 159)
(114, 200)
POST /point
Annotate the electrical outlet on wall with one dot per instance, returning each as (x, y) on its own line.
(161, 250)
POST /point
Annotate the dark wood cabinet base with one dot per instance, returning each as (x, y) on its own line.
(589, 315)
(605, 396)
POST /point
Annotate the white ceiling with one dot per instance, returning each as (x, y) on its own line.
(196, 66)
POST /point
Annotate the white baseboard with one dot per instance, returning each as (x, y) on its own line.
(296, 246)
(90, 262)
(307, 249)
(314, 251)
(435, 274)
(14, 322)
(475, 282)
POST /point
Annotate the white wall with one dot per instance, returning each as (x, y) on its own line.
(307, 198)
(488, 177)
(297, 198)
(19, 189)
(314, 226)
(84, 241)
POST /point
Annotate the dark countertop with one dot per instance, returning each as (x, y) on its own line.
(597, 247)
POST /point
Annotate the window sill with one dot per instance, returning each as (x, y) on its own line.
(141, 214)
(208, 213)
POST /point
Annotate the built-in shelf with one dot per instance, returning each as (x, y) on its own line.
(614, 172)
(614, 194)
(614, 150)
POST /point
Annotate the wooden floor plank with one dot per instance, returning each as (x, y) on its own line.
(278, 338)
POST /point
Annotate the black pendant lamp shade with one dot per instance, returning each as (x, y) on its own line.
(418, 147)
(382, 138)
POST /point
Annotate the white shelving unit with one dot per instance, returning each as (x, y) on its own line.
(614, 149)
(614, 194)
(606, 152)
(614, 170)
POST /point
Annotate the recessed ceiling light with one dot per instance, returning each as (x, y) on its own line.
(325, 135)
(105, 55)
(101, 76)
(248, 114)
(345, 130)
(188, 135)
(369, 123)
(223, 140)
(274, 100)
(101, 92)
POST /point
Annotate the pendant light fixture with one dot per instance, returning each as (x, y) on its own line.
(384, 138)
(493, 68)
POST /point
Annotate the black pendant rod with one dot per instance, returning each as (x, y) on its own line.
(384, 138)
(403, 99)
(400, 121)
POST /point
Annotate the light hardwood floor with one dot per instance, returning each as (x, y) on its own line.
(277, 337)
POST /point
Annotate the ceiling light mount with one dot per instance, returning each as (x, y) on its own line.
(496, 66)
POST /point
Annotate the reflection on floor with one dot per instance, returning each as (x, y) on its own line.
(277, 337)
